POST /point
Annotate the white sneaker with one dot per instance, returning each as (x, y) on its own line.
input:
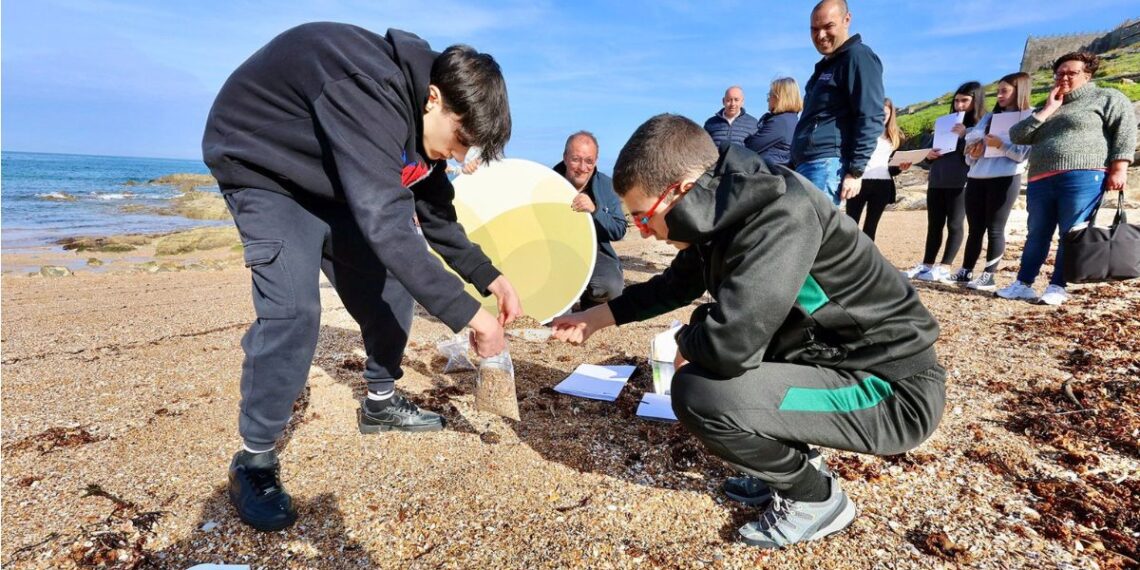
(937, 274)
(1054, 295)
(916, 270)
(1017, 290)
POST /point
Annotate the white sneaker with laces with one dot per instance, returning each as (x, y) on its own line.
(1017, 291)
(1054, 295)
(937, 274)
(917, 270)
(984, 282)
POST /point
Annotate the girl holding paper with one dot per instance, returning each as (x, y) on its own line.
(1078, 133)
(878, 182)
(945, 189)
(993, 182)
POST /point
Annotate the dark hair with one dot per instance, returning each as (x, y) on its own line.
(977, 94)
(1091, 61)
(1022, 87)
(663, 150)
(473, 88)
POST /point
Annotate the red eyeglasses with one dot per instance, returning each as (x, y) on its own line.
(642, 221)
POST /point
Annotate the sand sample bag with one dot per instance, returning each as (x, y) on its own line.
(495, 387)
(455, 349)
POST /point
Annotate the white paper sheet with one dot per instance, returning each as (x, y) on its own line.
(999, 127)
(662, 353)
(911, 156)
(944, 139)
(656, 407)
(596, 382)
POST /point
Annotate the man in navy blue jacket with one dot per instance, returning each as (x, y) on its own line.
(596, 197)
(843, 106)
(732, 124)
(326, 142)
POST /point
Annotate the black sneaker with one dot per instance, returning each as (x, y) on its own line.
(962, 277)
(257, 494)
(400, 414)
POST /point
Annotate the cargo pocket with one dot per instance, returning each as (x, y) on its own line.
(272, 288)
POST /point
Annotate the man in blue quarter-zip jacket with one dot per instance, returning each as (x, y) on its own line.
(596, 197)
(843, 106)
(732, 124)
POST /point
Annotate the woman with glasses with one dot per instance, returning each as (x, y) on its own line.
(773, 137)
(1082, 136)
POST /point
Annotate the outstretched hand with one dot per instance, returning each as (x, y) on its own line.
(575, 328)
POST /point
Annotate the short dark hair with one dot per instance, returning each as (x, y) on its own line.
(977, 94)
(1091, 61)
(473, 88)
(663, 150)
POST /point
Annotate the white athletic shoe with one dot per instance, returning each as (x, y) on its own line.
(917, 270)
(937, 274)
(1017, 291)
(1054, 295)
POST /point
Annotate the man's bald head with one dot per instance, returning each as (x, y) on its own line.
(733, 102)
(830, 26)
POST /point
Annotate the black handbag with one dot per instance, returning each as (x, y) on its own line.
(1094, 254)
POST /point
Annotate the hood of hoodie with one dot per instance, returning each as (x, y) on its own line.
(736, 188)
(414, 57)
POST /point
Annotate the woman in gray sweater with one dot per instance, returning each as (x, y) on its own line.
(1080, 136)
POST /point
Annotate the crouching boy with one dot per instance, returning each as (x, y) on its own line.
(812, 338)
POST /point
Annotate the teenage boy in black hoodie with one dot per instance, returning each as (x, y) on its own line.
(326, 143)
(812, 338)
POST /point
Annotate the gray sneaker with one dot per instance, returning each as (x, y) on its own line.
(754, 492)
(787, 522)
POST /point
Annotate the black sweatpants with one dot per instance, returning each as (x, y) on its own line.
(763, 421)
(287, 244)
(945, 208)
(988, 202)
(874, 194)
(606, 283)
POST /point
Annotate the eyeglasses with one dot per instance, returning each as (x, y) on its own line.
(642, 221)
(1069, 74)
(579, 161)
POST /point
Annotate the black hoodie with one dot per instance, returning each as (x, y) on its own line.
(792, 277)
(335, 112)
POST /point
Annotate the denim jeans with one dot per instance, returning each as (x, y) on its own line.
(1057, 202)
(825, 173)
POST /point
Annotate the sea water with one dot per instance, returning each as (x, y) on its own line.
(47, 197)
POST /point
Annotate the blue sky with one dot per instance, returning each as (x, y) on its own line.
(136, 78)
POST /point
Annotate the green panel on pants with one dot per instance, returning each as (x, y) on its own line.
(867, 394)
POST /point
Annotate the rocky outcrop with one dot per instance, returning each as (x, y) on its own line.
(201, 239)
(110, 244)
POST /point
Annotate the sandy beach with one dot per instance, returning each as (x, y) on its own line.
(120, 395)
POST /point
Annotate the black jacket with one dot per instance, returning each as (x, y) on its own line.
(843, 108)
(609, 219)
(792, 278)
(334, 112)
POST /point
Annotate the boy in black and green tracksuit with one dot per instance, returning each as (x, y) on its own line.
(812, 338)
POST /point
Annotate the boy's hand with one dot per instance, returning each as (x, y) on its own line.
(486, 334)
(577, 327)
(679, 361)
(510, 306)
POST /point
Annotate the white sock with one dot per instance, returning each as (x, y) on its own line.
(380, 396)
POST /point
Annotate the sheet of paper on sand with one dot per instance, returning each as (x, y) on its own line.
(596, 382)
(911, 156)
(656, 407)
(999, 127)
(944, 139)
(662, 353)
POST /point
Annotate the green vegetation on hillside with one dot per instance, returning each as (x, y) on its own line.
(1116, 67)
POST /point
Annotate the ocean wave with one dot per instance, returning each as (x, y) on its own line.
(113, 195)
(57, 197)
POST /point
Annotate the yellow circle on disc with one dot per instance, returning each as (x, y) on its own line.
(519, 212)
